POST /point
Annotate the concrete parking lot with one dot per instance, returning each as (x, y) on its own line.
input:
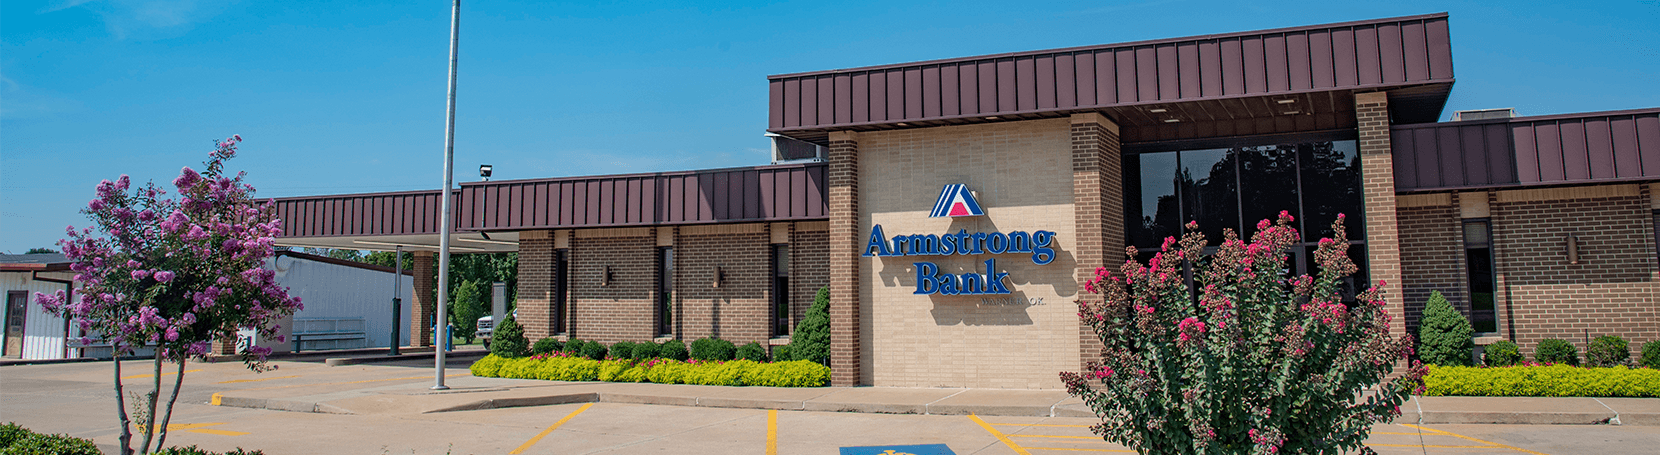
(75, 398)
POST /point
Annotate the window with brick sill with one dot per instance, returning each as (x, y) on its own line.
(1478, 257)
(780, 290)
(665, 291)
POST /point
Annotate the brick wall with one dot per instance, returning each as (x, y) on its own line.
(1377, 171)
(962, 340)
(622, 310)
(809, 267)
(1097, 202)
(738, 310)
(1432, 256)
(847, 315)
(535, 299)
(1612, 291)
(423, 299)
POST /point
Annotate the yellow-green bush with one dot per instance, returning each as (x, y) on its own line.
(1542, 381)
(799, 373)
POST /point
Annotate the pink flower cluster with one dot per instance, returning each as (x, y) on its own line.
(177, 281)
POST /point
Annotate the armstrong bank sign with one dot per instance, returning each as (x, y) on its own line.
(957, 201)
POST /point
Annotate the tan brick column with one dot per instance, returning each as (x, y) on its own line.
(535, 304)
(845, 335)
(423, 300)
(1097, 207)
(1377, 172)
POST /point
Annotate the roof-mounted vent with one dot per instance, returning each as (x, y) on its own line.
(787, 150)
(1483, 114)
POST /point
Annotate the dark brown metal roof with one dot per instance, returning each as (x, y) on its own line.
(1196, 79)
(1592, 147)
(753, 194)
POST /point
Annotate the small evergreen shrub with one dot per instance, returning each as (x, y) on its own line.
(1651, 354)
(1543, 381)
(781, 353)
(752, 352)
(1556, 351)
(509, 339)
(594, 350)
(622, 350)
(572, 346)
(545, 346)
(645, 350)
(673, 350)
(11, 432)
(1607, 351)
(1444, 334)
(1501, 354)
(811, 339)
(714, 349)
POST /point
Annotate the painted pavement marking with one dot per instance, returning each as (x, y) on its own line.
(917, 449)
(999, 435)
(1489, 445)
(550, 429)
(198, 428)
(141, 376)
(772, 432)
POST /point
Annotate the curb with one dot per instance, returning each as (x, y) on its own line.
(658, 400)
(341, 361)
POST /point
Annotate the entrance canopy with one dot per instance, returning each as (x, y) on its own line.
(488, 215)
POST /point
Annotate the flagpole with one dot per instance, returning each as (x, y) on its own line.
(443, 335)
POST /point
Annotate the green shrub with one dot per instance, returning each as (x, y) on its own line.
(1501, 354)
(781, 353)
(811, 339)
(1607, 351)
(714, 349)
(31, 443)
(1543, 381)
(752, 352)
(622, 350)
(645, 350)
(572, 346)
(1444, 334)
(11, 432)
(509, 339)
(1556, 351)
(546, 346)
(673, 350)
(594, 350)
(1651, 354)
(798, 373)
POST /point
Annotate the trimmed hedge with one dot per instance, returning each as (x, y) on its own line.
(713, 349)
(673, 349)
(1552, 350)
(753, 352)
(1651, 354)
(546, 345)
(1501, 354)
(661, 371)
(1607, 351)
(645, 350)
(1542, 381)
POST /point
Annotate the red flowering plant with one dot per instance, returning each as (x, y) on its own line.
(1246, 359)
(174, 275)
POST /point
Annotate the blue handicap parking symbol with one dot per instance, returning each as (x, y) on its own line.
(921, 449)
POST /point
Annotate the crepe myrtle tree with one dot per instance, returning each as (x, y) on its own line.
(1246, 359)
(174, 274)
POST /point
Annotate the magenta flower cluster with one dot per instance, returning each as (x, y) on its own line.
(176, 273)
(1216, 349)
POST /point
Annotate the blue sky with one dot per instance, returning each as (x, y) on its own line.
(345, 97)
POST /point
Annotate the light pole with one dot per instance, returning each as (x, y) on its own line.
(444, 218)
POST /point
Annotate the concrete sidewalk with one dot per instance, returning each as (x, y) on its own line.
(471, 393)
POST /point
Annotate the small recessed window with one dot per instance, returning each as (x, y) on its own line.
(1478, 255)
(780, 290)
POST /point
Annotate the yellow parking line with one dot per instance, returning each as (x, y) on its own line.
(234, 381)
(141, 376)
(999, 435)
(772, 432)
(1081, 450)
(550, 429)
(218, 432)
(1095, 438)
(1449, 433)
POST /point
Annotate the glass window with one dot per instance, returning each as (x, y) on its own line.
(1478, 254)
(1151, 205)
(665, 291)
(1331, 185)
(780, 290)
(561, 286)
(1267, 178)
(1210, 192)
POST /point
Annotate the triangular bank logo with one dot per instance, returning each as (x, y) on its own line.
(955, 200)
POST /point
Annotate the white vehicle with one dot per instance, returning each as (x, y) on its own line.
(486, 326)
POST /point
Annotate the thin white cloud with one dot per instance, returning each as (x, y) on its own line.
(25, 102)
(123, 18)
